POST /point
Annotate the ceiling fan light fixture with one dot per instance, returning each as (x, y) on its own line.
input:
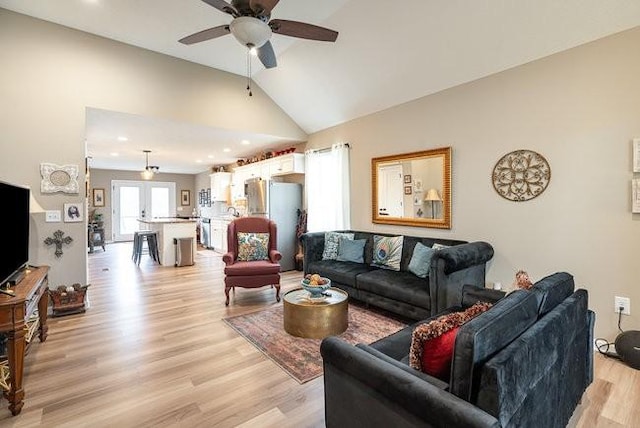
(250, 31)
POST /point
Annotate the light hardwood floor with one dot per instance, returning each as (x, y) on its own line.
(152, 351)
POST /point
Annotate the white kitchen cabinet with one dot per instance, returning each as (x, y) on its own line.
(292, 163)
(237, 184)
(219, 235)
(220, 183)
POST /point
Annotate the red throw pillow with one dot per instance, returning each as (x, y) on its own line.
(432, 343)
(437, 354)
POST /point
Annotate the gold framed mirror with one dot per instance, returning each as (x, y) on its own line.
(412, 189)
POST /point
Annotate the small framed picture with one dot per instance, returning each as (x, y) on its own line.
(636, 155)
(185, 197)
(73, 213)
(418, 185)
(407, 179)
(98, 197)
(407, 190)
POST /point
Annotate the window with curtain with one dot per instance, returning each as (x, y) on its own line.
(327, 188)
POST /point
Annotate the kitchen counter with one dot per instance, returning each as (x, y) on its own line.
(168, 229)
(167, 220)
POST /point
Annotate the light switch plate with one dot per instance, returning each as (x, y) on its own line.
(53, 216)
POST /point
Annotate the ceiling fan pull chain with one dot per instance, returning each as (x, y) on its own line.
(249, 72)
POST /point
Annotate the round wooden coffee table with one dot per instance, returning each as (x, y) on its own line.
(315, 319)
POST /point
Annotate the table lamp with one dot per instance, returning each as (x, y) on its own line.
(433, 196)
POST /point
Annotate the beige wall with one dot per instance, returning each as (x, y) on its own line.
(580, 109)
(101, 179)
(49, 76)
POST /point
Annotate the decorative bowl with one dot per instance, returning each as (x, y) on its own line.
(316, 290)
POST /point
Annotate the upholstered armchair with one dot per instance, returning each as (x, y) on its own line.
(252, 259)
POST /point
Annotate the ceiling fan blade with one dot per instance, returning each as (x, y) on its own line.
(263, 7)
(222, 6)
(267, 56)
(208, 34)
(302, 30)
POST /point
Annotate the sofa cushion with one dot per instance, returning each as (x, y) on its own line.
(332, 242)
(421, 260)
(402, 286)
(552, 290)
(387, 251)
(351, 250)
(542, 369)
(484, 336)
(339, 272)
(252, 246)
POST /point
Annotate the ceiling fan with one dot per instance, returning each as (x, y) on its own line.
(252, 26)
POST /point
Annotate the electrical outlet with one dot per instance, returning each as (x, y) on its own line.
(624, 303)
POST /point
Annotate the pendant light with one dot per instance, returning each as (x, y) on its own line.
(149, 170)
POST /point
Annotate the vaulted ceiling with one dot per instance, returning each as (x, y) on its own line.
(387, 53)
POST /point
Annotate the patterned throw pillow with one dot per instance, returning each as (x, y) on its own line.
(387, 251)
(332, 242)
(253, 246)
(432, 343)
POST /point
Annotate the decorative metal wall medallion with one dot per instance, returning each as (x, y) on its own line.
(521, 175)
(56, 178)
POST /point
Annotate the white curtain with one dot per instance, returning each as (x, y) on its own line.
(327, 187)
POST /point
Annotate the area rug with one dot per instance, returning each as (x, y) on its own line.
(299, 357)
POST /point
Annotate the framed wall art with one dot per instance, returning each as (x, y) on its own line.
(98, 197)
(59, 178)
(636, 155)
(73, 212)
(407, 190)
(407, 179)
(185, 197)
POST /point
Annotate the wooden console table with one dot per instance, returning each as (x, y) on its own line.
(31, 294)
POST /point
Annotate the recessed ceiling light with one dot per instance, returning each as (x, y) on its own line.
(198, 160)
(210, 156)
(226, 150)
(123, 139)
(245, 142)
(114, 154)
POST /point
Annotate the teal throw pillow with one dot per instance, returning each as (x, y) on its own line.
(387, 251)
(351, 250)
(332, 242)
(253, 246)
(421, 260)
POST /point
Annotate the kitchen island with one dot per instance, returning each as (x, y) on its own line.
(168, 229)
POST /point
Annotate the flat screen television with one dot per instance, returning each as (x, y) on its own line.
(15, 220)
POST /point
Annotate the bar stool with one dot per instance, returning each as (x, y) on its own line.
(152, 245)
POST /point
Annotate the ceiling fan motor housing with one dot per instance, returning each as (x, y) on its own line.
(250, 31)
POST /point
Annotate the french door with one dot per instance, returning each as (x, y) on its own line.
(133, 200)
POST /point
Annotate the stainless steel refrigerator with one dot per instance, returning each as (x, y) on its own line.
(279, 202)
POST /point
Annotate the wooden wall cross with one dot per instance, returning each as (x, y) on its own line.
(58, 240)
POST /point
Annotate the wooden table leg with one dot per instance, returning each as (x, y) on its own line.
(15, 356)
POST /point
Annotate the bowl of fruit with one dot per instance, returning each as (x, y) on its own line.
(315, 284)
